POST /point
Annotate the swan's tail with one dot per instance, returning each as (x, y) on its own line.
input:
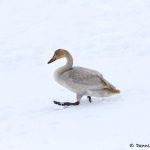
(115, 90)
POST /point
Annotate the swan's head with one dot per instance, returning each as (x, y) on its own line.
(59, 53)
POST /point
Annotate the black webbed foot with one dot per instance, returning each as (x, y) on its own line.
(66, 103)
(89, 98)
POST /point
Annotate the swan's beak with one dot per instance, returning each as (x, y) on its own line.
(51, 60)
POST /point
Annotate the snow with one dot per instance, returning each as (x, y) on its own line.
(109, 36)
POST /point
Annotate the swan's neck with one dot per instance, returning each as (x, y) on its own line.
(66, 67)
(69, 62)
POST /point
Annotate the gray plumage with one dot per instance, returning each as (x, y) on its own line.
(79, 80)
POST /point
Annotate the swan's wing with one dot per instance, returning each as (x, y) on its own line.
(89, 78)
(107, 84)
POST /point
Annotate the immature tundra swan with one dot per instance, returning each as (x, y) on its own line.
(81, 81)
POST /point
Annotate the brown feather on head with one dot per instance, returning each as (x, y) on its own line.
(59, 53)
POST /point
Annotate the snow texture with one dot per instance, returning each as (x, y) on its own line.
(112, 37)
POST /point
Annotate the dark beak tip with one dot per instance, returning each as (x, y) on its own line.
(52, 60)
(49, 62)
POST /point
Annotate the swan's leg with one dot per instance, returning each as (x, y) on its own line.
(89, 98)
(78, 97)
(69, 103)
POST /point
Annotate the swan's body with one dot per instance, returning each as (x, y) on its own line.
(81, 81)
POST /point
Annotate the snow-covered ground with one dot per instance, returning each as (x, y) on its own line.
(112, 37)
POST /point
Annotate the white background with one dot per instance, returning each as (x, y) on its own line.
(112, 37)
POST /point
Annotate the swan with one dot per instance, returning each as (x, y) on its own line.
(82, 81)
